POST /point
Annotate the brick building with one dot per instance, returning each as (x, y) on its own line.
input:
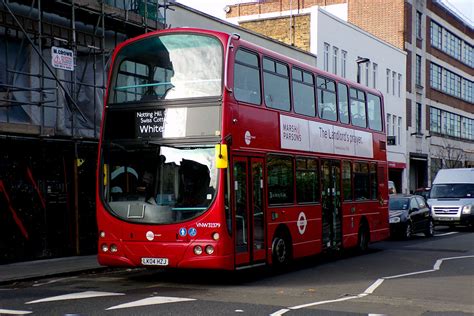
(439, 122)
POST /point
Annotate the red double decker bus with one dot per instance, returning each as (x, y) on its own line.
(217, 153)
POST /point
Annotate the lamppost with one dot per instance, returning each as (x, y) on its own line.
(360, 60)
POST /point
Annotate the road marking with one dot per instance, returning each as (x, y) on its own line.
(280, 312)
(13, 312)
(75, 296)
(152, 301)
(445, 234)
(372, 287)
(53, 281)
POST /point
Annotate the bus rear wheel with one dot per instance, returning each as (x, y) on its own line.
(281, 251)
(364, 238)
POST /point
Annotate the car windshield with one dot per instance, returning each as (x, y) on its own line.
(158, 184)
(452, 190)
(398, 204)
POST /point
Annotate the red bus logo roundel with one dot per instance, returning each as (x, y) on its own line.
(302, 222)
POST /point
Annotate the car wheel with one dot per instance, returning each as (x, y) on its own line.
(408, 231)
(281, 251)
(429, 232)
(364, 238)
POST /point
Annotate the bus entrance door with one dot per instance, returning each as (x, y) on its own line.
(331, 203)
(249, 211)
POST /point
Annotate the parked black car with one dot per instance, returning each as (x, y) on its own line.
(409, 214)
(424, 192)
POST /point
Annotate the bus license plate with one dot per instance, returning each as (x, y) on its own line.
(155, 261)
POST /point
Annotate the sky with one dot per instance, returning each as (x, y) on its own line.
(216, 7)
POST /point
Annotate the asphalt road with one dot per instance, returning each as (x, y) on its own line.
(422, 276)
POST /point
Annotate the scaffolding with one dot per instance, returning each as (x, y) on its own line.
(50, 116)
(63, 102)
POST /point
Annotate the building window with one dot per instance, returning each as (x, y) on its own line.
(451, 44)
(436, 35)
(399, 84)
(435, 120)
(374, 75)
(343, 63)
(419, 16)
(418, 70)
(394, 124)
(335, 52)
(393, 82)
(389, 121)
(399, 130)
(388, 81)
(367, 66)
(326, 56)
(418, 118)
(435, 76)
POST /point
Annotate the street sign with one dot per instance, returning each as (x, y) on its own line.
(62, 58)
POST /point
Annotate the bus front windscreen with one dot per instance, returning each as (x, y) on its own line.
(158, 184)
(167, 67)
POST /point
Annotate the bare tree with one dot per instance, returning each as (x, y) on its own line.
(451, 156)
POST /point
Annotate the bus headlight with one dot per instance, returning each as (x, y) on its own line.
(209, 249)
(394, 220)
(104, 247)
(466, 209)
(102, 234)
(215, 236)
(197, 250)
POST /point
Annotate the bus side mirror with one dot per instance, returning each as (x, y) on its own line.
(222, 161)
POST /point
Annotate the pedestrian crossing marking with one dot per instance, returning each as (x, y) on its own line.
(152, 301)
(75, 296)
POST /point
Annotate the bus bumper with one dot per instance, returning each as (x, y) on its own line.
(165, 255)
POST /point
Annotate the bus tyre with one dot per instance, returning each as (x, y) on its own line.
(364, 238)
(281, 251)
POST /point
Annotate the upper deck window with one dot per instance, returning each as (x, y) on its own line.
(374, 110)
(358, 112)
(247, 77)
(327, 108)
(167, 67)
(342, 94)
(303, 92)
(276, 84)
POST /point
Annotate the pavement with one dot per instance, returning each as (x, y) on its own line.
(31, 270)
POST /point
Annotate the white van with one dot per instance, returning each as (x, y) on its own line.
(452, 197)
